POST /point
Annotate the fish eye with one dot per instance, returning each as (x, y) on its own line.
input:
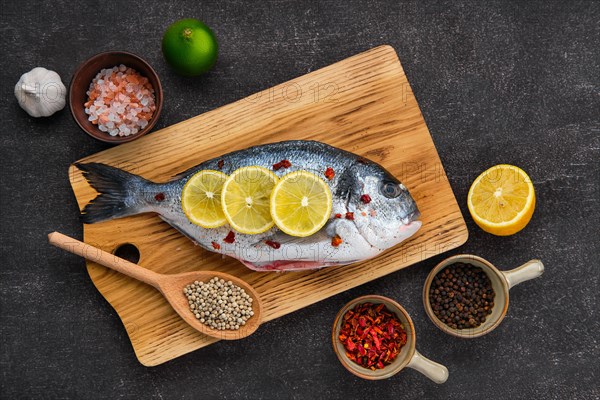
(391, 190)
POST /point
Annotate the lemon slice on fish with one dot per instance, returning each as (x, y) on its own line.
(201, 199)
(501, 200)
(301, 203)
(245, 199)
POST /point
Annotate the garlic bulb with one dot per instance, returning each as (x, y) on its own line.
(40, 92)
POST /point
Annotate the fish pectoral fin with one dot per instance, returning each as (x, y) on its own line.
(283, 238)
(343, 228)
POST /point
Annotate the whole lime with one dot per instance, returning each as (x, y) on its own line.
(190, 47)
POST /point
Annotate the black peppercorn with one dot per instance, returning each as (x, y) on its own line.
(463, 297)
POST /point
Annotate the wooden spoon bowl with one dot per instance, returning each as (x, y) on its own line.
(171, 286)
(172, 289)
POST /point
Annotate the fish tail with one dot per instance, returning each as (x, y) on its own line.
(117, 192)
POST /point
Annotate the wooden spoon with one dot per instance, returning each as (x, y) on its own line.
(171, 286)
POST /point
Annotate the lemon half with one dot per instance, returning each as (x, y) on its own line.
(501, 200)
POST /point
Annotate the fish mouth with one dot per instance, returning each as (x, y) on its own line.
(415, 215)
(409, 229)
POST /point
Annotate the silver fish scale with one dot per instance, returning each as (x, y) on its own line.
(307, 155)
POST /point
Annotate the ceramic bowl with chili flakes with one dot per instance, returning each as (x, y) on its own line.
(374, 338)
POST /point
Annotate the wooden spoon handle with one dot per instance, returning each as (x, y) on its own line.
(102, 257)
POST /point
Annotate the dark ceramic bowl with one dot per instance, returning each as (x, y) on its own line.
(80, 83)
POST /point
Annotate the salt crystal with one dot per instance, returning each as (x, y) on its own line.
(118, 102)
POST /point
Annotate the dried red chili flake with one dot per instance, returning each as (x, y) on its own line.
(159, 196)
(230, 238)
(365, 198)
(220, 164)
(273, 244)
(372, 335)
(282, 164)
(336, 241)
(329, 173)
(215, 245)
(350, 216)
(350, 345)
(338, 215)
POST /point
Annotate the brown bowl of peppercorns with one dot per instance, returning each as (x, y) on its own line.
(467, 296)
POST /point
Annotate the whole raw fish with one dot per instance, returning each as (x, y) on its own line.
(367, 225)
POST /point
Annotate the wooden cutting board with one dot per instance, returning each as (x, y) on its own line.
(363, 104)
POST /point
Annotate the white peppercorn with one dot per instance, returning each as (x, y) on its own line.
(219, 304)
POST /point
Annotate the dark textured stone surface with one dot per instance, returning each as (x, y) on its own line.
(505, 82)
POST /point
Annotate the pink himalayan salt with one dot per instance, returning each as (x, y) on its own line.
(120, 101)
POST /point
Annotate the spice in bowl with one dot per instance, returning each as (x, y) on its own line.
(219, 304)
(120, 101)
(372, 335)
(461, 296)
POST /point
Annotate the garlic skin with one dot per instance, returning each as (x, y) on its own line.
(41, 92)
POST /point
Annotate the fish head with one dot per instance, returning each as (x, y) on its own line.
(384, 212)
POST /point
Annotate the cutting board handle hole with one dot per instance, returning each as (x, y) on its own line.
(129, 252)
